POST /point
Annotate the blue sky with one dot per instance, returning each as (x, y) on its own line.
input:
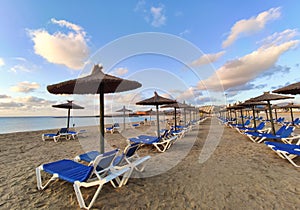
(193, 51)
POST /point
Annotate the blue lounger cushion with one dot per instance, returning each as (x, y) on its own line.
(69, 170)
(283, 146)
(145, 139)
(89, 156)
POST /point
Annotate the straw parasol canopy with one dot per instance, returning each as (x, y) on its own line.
(291, 106)
(176, 106)
(69, 105)
(292, 89)
(267, 96)
(275, 107)
(252, 104)
(95, 83)
(123, 110)
(236, 107)
(156, 100)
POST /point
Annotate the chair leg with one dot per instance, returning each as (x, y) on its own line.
(286, 155)
(39, 178)
(79, 196)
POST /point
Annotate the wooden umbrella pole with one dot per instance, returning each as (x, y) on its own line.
(254, 121)
(124, 120)
(175, 119)
(184, 116)
(292, 116)
(271, 117)
(68, 122)
(157, 118)
(101, 123)
(242, 118)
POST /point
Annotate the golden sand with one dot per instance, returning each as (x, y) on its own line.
(238, 174)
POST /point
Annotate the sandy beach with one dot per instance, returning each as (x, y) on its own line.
(237, 174)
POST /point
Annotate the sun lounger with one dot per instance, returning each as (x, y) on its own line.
(246, 124)
(259, 128)
(282, 133)
(115, 127)
(294, 123)
(81, 175)
(128, 156)
(285, 151)
(63, 133)
(135, 125)
(161, 143)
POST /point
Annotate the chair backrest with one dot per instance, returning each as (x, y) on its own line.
(247, 122)
(131, 149)
(116, 125)
(165, 134)
(280, 130)
(261, 126)
(63, 130)
(128, 152)
(104, 160)
(287, 132)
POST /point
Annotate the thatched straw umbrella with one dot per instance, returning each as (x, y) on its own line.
(69, 105)
(237, 107)
(275, 107)
(291, 106)
(267, 96)
(156, 100)
(175, 106)
(292, 89)
(95, 83)
(123, 110)
(252, 104)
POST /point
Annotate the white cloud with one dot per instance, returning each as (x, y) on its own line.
(158, 17)
(31, 99)
(187, 95)
(247, 68)
(279, 37)
(69, 25)
(155, 15)
(120, 71)
(69, 49)
(250, 26)
(207, 59)
(25, 87)
(4, 96)
(10, 105)
(29, 105)
(140, 6)
(185, 32)
(19, 67)
(2, 63)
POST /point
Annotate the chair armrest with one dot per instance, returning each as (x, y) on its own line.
(290, 140)
(266, 130)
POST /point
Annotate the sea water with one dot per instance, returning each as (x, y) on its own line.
(20, 124)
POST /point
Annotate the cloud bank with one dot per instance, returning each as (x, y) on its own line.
(25, 87)
(207, 59)
(242, 70)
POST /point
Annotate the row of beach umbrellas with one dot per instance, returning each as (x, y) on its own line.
(266, 98)
(99, 83)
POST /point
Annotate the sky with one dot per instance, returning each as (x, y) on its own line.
(197, 52)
